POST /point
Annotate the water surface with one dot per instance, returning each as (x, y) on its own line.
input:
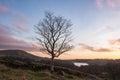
(79, 64)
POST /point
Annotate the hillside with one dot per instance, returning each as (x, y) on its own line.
(7, 73)
(27, 57)
(18, 54)
(13, 67)
(33, 71)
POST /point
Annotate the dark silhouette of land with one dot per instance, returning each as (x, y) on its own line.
(105, 69)
(18, 59)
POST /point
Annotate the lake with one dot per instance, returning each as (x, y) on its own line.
(79, 64)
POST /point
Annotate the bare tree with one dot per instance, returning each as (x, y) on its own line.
(54, 35)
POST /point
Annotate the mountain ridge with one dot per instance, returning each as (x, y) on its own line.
(18, 54)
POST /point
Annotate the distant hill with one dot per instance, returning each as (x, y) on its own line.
(18, 54)
(27, 57)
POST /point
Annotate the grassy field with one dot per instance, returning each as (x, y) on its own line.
(7, 73)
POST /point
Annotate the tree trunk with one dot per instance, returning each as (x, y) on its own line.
(52, 64)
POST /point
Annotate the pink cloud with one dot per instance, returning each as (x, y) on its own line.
(3, 29)
(84, 46)
(99, 3)
(20, 17)
(114, 42)
(4, 9)
(111, 42)
(94, 49)
(103, 50)
(113, 3)
(19, 25)
(108, 3)
(8, 42)
(117, 13)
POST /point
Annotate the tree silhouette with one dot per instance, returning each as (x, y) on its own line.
(54, 36)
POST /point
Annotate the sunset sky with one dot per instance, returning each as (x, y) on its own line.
(96, 26)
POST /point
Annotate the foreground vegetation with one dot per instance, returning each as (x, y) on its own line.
(110, 71)
(19, 74)
(17, 70)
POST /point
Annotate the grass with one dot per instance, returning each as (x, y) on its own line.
(7, 73)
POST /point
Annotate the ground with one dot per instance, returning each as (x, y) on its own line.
(7, 73)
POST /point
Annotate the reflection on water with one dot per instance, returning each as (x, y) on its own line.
(80, 64)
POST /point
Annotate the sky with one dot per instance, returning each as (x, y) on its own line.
(95, 30)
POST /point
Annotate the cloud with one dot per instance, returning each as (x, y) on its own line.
(4, 9)
(113, 3)
(18, 25)
(99, 3)
(3, 29)
(117, 12)
(108, 3)
(114, 42)
(19, 22)
(8, 42)
(103, 50)
(103, 29)
(94, 49)
(84, 46)
(20, 17)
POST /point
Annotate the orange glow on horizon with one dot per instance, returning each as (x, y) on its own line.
(84, 55)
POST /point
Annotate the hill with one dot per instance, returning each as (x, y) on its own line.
(19, 55)
(33, 71)
(20, 64)
(23, 56)
(7, 73)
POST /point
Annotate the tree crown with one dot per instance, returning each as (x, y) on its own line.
(54, 34)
